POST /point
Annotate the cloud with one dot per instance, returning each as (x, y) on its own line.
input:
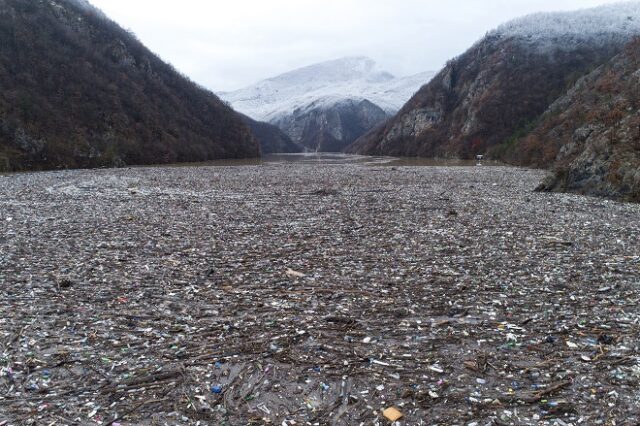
(225, 45)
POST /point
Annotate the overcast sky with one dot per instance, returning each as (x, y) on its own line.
(229, 44)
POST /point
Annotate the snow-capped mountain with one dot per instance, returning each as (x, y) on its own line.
(327, 105)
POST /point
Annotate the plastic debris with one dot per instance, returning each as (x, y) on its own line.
(436, 369)
(392, 414)
(294, 274)
(183, 287)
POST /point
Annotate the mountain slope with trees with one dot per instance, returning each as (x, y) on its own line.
(495, 92)
(592, 134)
(79, 91)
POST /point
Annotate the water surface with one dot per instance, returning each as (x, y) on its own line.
(340, 158)
(326, 158)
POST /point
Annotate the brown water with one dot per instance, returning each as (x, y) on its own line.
(301, 158)
(340, 158)
(327, 159)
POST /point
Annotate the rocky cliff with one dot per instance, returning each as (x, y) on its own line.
(331, 127)
(592, 134)
(494, 92)
(79, 91)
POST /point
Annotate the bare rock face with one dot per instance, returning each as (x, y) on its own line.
(412, 123)
(80, 91)
(331, 127)
(592, 134)
(493, 93)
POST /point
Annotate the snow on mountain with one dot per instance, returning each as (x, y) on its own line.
(565, 30)
(83, 3)
(324, 85)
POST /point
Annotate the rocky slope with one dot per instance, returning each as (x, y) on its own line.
(79, 91)
(270, 138)
(592, 134)
(326, 106)
(330, 127)
(495, 91)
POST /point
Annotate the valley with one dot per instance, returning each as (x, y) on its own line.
(321, 241)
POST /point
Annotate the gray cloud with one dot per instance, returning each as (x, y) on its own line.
(225, 45)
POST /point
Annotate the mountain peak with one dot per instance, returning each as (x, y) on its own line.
(338, 70)
(329, 82)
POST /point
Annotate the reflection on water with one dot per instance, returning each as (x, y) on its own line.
(441, 162)
(327, 158)
(324, 158)
(339, 158)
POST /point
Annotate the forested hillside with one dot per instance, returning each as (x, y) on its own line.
(79, 91)
(494, 93)
(592, 135)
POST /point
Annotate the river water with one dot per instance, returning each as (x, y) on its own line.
(339, 158)
(314, 158)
